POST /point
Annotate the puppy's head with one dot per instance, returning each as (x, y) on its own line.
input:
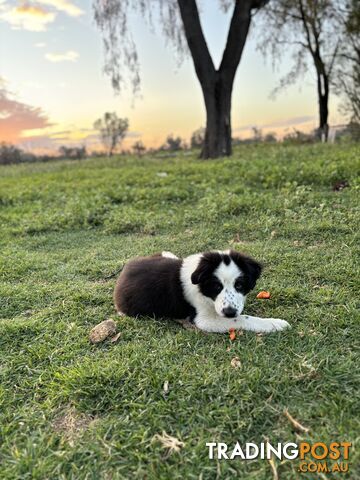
(225, 278)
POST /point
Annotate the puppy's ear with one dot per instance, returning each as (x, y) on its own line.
(200, 272)
(254, 269)
(251, 268)
(208, 263)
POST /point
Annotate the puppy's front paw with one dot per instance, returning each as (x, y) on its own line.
(278, 324)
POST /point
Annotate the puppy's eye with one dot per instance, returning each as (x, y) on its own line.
(217, 287)
(239, 285)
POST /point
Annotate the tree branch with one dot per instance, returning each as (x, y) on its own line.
(295, 42)
(334, 55)
(203, 63)
(306, 27)
(349, 57)
(239, 28)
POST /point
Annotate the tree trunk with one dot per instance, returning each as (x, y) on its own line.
(217, 141)
(217, 84)
(323, 97)
(313, 31)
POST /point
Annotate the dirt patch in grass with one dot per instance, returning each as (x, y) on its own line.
(71, 424)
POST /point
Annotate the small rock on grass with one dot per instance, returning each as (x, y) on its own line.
(102, 331)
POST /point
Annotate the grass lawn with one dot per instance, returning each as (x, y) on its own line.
(72, 410)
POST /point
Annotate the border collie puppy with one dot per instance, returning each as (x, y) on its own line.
(208, 288)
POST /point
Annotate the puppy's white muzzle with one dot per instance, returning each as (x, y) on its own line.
(229, 304)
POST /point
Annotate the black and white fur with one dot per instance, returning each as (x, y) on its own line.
(208, 288)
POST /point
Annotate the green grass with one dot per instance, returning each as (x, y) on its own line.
(66, 226)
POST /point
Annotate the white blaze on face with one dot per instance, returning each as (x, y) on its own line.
(229, 297)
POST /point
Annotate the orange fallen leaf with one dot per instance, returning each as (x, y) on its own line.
(263, 294)
(232, 334)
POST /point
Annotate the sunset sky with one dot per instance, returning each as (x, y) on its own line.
(52, 87)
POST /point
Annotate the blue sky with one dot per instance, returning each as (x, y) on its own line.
(53, 88)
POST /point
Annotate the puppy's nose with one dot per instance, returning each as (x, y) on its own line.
(229, 312)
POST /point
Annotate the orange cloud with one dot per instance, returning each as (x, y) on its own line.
(17, 117)
(28, 17)
(63, 6)
(30, 10)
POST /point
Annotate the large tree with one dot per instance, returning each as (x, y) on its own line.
(311, 31)
(180, 20)
(347, 81)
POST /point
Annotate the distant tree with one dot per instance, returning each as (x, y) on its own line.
(112, 130)
(75, 153)
(350, 132)
(180, 20)
(125, 152)
(81, 152)
(197, 138)
(10, 154)
(298, 138)
(63, 151)
(312, 31)
(139, 148)
(257, 135)
(173, 144)
(270, 138)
